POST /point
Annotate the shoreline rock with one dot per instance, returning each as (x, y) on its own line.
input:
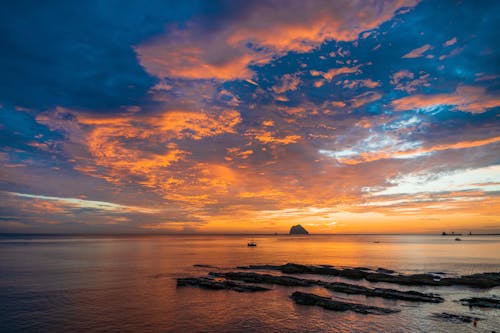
(346, 288)
(288, 281)
(455, 317)
(205, 266)
(329, 304)
(478, 280)
(482, 302)
(208, 283)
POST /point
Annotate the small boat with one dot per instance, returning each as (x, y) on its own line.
(458, 239)
(252, 243)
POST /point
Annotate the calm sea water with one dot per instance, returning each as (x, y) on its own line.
(127, 283)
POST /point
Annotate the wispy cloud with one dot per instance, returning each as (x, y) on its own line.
(73, 203)
(465, 98)
(418, 52)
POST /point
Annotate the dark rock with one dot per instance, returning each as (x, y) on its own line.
(385, 271)
(455, 317)
(301, 269)
(290, 268)
(330, 304)
(298, 230)
(415, 279)
(204, 266)
(341, 287)
(208, 283)
(263, 267)
(482, 302)
(265, 278)
(413, 296)
(360, 268)
(345, 288)
(479, 280)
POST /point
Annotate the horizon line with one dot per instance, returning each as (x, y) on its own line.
(237, 234)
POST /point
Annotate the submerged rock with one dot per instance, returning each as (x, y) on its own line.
(330, 304)
(208, 283)
(298, 230)
(482, 302)
(346, 288)
(455, 317)
(204, 266)
(479, 280)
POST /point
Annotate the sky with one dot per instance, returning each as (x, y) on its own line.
(249, 116)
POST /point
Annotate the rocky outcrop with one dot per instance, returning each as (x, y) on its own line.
(482, 302)
(384, 270)
(341, 287)
(298, 230)
(455, 317)
(208, 283)
(265, 278)
(479, 280)
(330, 304)
(290, 268)
(412, 296)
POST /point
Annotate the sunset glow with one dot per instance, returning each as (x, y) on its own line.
(244, 117)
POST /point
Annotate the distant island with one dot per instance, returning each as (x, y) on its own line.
(298, 230)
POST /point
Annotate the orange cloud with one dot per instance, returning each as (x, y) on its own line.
(237, 152)
(196, 125)
(138, 146)
(465, 98)
(255, 38)
(351, 84)
(267, 137)
(268, 123)
(408, 81)
(365, 98)
(289, 82)
(418, 52)
(335, 72)
(181, 55)
(364, 123)
(450, 42)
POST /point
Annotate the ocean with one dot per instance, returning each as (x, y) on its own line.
(127, 283)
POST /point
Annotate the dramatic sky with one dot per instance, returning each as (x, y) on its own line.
(250, 116)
